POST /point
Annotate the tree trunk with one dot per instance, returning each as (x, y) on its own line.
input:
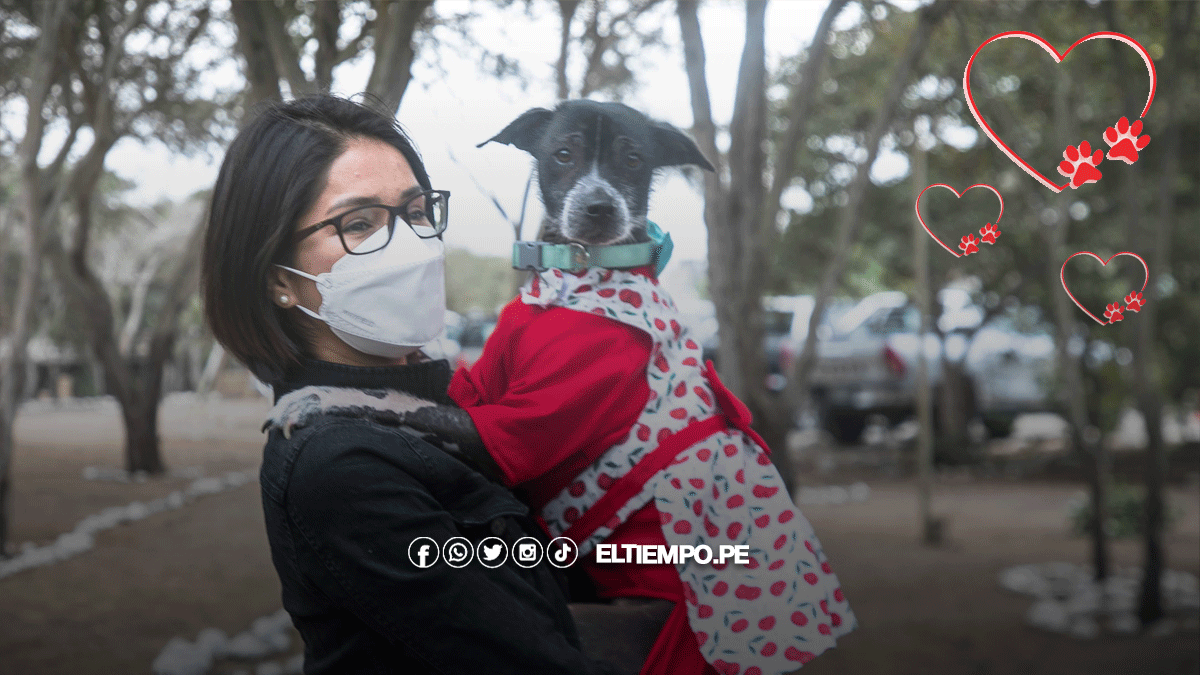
(566, 12)
(776, 413)
(140, 416)
(744, 253)
(924, 391)
(1150, 605)
(849, 225)
(53, 14)
(327, 18)
(261, 73)
(396, 23)
(956, 406)
(1086, 443)
(740, 213)
(733, 207)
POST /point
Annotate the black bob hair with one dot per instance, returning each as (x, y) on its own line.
(273, 172)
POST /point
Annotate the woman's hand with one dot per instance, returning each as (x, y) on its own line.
(454, 425)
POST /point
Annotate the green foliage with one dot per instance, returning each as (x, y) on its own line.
(1015, 84)
(477, 283)
(1126, 512)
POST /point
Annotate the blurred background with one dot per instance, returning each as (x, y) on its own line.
(1003, 483)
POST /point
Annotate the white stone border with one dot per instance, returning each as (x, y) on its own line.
(82, 538)
(267, 636)
(1070, 602)
(833, 494)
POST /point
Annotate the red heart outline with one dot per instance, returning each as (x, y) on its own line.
(917, 206)
(1057, 59)
(1062, 276)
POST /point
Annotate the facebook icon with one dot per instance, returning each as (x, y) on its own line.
(423, 552)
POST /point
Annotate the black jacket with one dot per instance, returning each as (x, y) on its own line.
(346, 494)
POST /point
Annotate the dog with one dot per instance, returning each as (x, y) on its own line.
(595, 165)
(690, 465)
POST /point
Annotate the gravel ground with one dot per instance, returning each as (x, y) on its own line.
(114, 608)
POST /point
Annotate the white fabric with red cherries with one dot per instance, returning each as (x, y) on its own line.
(768, 617)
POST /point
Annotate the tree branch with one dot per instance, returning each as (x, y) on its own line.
(283, 49)
(849, 225)
(703, 127)
(801, 100)
(566, 11)
(327, 17)
(394, 52)
(261, 72)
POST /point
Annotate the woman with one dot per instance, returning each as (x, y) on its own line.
(323, 274)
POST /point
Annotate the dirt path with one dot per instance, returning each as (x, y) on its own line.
(922, 611)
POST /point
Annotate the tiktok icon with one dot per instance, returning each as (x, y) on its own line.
(562, 552)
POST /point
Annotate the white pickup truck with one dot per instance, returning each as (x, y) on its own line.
(868, 365)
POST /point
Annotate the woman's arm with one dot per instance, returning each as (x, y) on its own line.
(360, 496)
(453, 424)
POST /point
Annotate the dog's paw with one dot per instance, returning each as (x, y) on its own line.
(1134, 302)
(968, 245)
(1124, 141)
(1113, 313)
(1080, 164)
(988, 233)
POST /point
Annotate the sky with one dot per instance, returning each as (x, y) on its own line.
(449, 110)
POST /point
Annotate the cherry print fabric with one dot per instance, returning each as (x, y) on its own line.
(785, 607)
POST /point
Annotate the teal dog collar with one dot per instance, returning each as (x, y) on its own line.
(539, 255)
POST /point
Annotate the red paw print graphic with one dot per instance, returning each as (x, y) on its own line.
(1113, 313)
(1080, 164)
(1124, 141)
(968, 245)
(988, 233)
(1134, 302)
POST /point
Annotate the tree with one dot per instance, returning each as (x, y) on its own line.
(43, 190)
(1017, 279)
(741, 214)
(850, 221)
(1150, 606)
(274, 38)
(139, 92)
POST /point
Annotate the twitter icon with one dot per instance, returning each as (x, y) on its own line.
(491, 552)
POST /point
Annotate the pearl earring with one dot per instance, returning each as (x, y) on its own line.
(283, 299)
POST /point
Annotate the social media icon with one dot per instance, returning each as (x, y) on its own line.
(457, 551)
(491, 552)
(528, 552)
(423, 552)
(562, 552)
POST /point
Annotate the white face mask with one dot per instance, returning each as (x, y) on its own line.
(387, 303)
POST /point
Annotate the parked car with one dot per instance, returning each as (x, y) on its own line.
(785, 319)
(445, 346)
(868, 365)
(471, 335)
(794, 315)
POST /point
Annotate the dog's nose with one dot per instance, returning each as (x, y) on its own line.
(604, 209)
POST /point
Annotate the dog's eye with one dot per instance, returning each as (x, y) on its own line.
(633, 160)
(563, 156)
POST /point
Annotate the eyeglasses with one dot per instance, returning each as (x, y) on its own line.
(426, 213)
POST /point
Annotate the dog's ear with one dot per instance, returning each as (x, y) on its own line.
(523, 132)
(675, 148)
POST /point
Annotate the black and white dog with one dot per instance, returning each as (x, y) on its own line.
(595, 163)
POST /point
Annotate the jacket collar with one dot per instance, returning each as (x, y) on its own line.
(426, 379)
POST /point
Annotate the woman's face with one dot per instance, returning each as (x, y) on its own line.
(369, 171)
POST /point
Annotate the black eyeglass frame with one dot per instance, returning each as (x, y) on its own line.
(394, 211)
